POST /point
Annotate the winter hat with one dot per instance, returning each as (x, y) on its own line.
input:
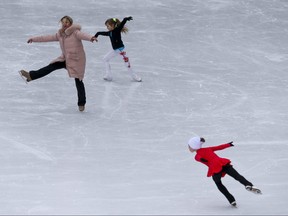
(195, 143)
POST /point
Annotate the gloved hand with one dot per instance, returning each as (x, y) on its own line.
(231, 143)
(129, 18)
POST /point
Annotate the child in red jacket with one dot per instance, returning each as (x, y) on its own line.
(218, 167)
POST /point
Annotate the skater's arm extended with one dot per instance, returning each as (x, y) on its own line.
(84, 36)
(43, 38)
(222, 146)
(103, 33)
(124, 21)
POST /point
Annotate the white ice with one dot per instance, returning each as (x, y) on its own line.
(213, 68)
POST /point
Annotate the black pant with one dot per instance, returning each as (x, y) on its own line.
(233, 173)
(59, 65)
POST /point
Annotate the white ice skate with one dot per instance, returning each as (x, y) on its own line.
(136, 78)
(253, 189)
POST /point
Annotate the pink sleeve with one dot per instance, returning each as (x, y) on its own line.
(83, 36)
(45, 38)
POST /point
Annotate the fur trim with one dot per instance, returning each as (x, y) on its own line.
(72, 28)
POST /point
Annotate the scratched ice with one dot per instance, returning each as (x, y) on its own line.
(215, 68)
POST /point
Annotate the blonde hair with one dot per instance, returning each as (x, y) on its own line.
(116, 22)
(68, 18)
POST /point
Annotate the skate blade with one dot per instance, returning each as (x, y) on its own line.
(233, 204)
(257, 191)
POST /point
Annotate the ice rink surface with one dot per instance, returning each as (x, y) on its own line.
(213, 68)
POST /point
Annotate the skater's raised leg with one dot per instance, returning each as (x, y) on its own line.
(32, 75)
(233, 173)
(46, 70)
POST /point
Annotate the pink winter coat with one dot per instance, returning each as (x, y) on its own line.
(72, 49)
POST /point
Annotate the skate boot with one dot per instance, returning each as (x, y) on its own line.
(25, 75)
(233, 204)
(136, 78)
(253, 189)
(81, 108)
(107, 78)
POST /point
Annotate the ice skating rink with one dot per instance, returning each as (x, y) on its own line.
(213, 68)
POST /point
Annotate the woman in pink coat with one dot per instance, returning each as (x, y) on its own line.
(218, 167)
(72, 58)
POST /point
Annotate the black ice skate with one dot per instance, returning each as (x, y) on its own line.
(234, 204)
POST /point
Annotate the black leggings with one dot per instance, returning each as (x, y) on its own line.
(56, 66)
(228, 169)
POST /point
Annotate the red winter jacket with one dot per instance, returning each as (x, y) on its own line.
(210, 159)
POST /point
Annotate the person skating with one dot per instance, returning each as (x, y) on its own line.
(115, 28)
(218, 167)
(73, 56)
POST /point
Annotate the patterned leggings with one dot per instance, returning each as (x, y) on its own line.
(112, 54)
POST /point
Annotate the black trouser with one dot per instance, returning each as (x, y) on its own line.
(233, 173)
(56, 66)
